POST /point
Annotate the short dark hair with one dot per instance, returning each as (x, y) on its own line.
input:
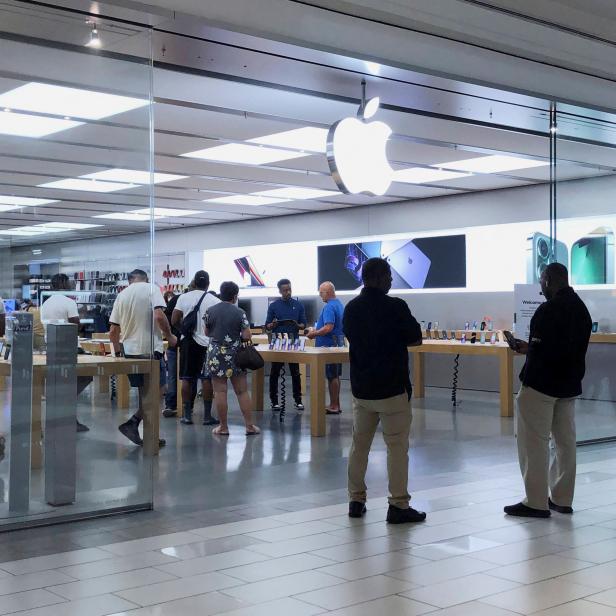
(137, 273)
(374, 269)
(558, 273)
(282, 282)
(228, 290)
(59, 281)
(202, 280)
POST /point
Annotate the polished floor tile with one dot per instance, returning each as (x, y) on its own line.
(28, 600)
(286, 606)
(583, 607)
(31, 581)
(214, 562)
(54, 561)
(373, 565)
(394, 605)
(455, 547)
(103, 605)
(542, 568)
(439, 571)
(276, 567)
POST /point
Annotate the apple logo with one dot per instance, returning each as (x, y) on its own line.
(356, 153)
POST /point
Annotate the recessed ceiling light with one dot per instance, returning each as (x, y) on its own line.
(308, 138)
(15, 202)
(65, 226)
(244, 154)
(132, 177)
(72, 102)
(297, 192)
(22, 231)
(86, 185)
(160, 212)
(23, 125)
(125, 216)
(421, 175)
(245, 200)
(497, 163)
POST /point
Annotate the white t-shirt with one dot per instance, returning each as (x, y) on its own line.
(2, 310)
(133, 311)
(58, 308)
(187, 301)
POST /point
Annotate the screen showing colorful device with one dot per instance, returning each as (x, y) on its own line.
(592, 260)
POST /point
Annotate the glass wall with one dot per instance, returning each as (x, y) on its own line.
(75, 156)
(585, 223)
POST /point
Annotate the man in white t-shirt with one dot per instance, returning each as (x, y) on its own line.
(136, 320)
(62, 309)
(193, 348)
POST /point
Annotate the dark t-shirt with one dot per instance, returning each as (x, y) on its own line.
(225, 323)
(559, 334)
(379, 329)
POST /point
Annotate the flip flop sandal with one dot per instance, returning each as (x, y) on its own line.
(218, 432)
(253, 432)
(330, 412)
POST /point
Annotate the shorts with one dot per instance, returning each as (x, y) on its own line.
(137, 380)
(192, 356)
(333, 371)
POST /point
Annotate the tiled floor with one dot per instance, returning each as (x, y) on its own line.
(468, 559)
(258, 527)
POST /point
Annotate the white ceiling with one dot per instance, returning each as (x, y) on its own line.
(194, 112)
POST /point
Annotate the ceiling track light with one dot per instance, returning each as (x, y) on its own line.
(95, 40)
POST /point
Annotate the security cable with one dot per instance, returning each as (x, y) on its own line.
(454, 387)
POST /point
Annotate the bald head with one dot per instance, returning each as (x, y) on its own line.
(327, 291)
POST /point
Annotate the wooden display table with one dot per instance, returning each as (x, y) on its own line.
(96, 366)
(314, 357)
(450, 347)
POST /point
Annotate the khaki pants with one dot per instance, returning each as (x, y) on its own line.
(538, 417)
(395, 415)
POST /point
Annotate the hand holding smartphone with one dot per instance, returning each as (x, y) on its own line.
(514, 344)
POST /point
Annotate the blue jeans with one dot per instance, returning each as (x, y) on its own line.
(171, 397)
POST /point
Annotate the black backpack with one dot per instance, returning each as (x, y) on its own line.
(189, 322)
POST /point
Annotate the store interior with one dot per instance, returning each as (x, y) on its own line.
(173, 168)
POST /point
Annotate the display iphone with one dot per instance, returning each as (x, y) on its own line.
(595, 327)
(493, 338)
(354, 261)
(410, 264)
(444, 333)
(592, 258)
(463, 338)
(482, 340)
(473, 338)
(249, 272)
(539, 256)
(453, 334)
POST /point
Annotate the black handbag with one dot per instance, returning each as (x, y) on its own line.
(248, 358)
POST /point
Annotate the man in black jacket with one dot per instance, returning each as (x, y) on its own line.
(551, 381)
(379, 329)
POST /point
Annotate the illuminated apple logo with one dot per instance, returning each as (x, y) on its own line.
(356, 153)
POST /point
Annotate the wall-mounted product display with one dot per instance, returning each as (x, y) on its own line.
(170, 272)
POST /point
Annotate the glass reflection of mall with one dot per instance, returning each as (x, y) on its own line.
(101, 146)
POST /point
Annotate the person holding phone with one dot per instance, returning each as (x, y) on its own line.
(551, 381)
(285, 316)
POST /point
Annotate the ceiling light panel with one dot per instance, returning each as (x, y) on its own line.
(498, 163)
(297, 192)
(125, 216)
(65, 226)
(309, 139)
(86, 185)
(71, 102)
(15, 201)
(246, 200)
(22, 231)
(23, 125)
(129, 176)
(244, 154)
(160, 212)
(421, 175)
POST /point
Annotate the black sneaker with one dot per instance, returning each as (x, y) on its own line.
(299, 407)
(211, 421)
(130, 430)
(170, 413)
(276, 407)
(395, 515)
(520, 510)
(357, 509)
(559, 508)
(187, 421)
(82, 427)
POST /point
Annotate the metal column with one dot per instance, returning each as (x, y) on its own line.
(19, 336)
(61, 414)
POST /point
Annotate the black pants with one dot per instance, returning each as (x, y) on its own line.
(295, 376)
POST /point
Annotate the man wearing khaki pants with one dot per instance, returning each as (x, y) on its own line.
(551, 381)
(379, 329)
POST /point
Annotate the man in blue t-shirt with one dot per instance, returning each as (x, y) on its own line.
(328, 333)
(285, 316)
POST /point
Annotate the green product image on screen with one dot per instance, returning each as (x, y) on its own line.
(592, 260)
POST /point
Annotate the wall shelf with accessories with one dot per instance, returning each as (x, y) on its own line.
(170, 272)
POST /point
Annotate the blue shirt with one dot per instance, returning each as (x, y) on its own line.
(286, 309)
(332, 313)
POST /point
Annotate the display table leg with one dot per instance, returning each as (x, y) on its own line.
(38, 389)
(317, 397)
(178, 385)
(102, 384)
(506, 383)
(123, 391)
(302, 375)
(151, 414)
(2, 383)
(419, 373)
(258, 390)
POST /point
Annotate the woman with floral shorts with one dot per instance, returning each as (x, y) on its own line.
(227, 326)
